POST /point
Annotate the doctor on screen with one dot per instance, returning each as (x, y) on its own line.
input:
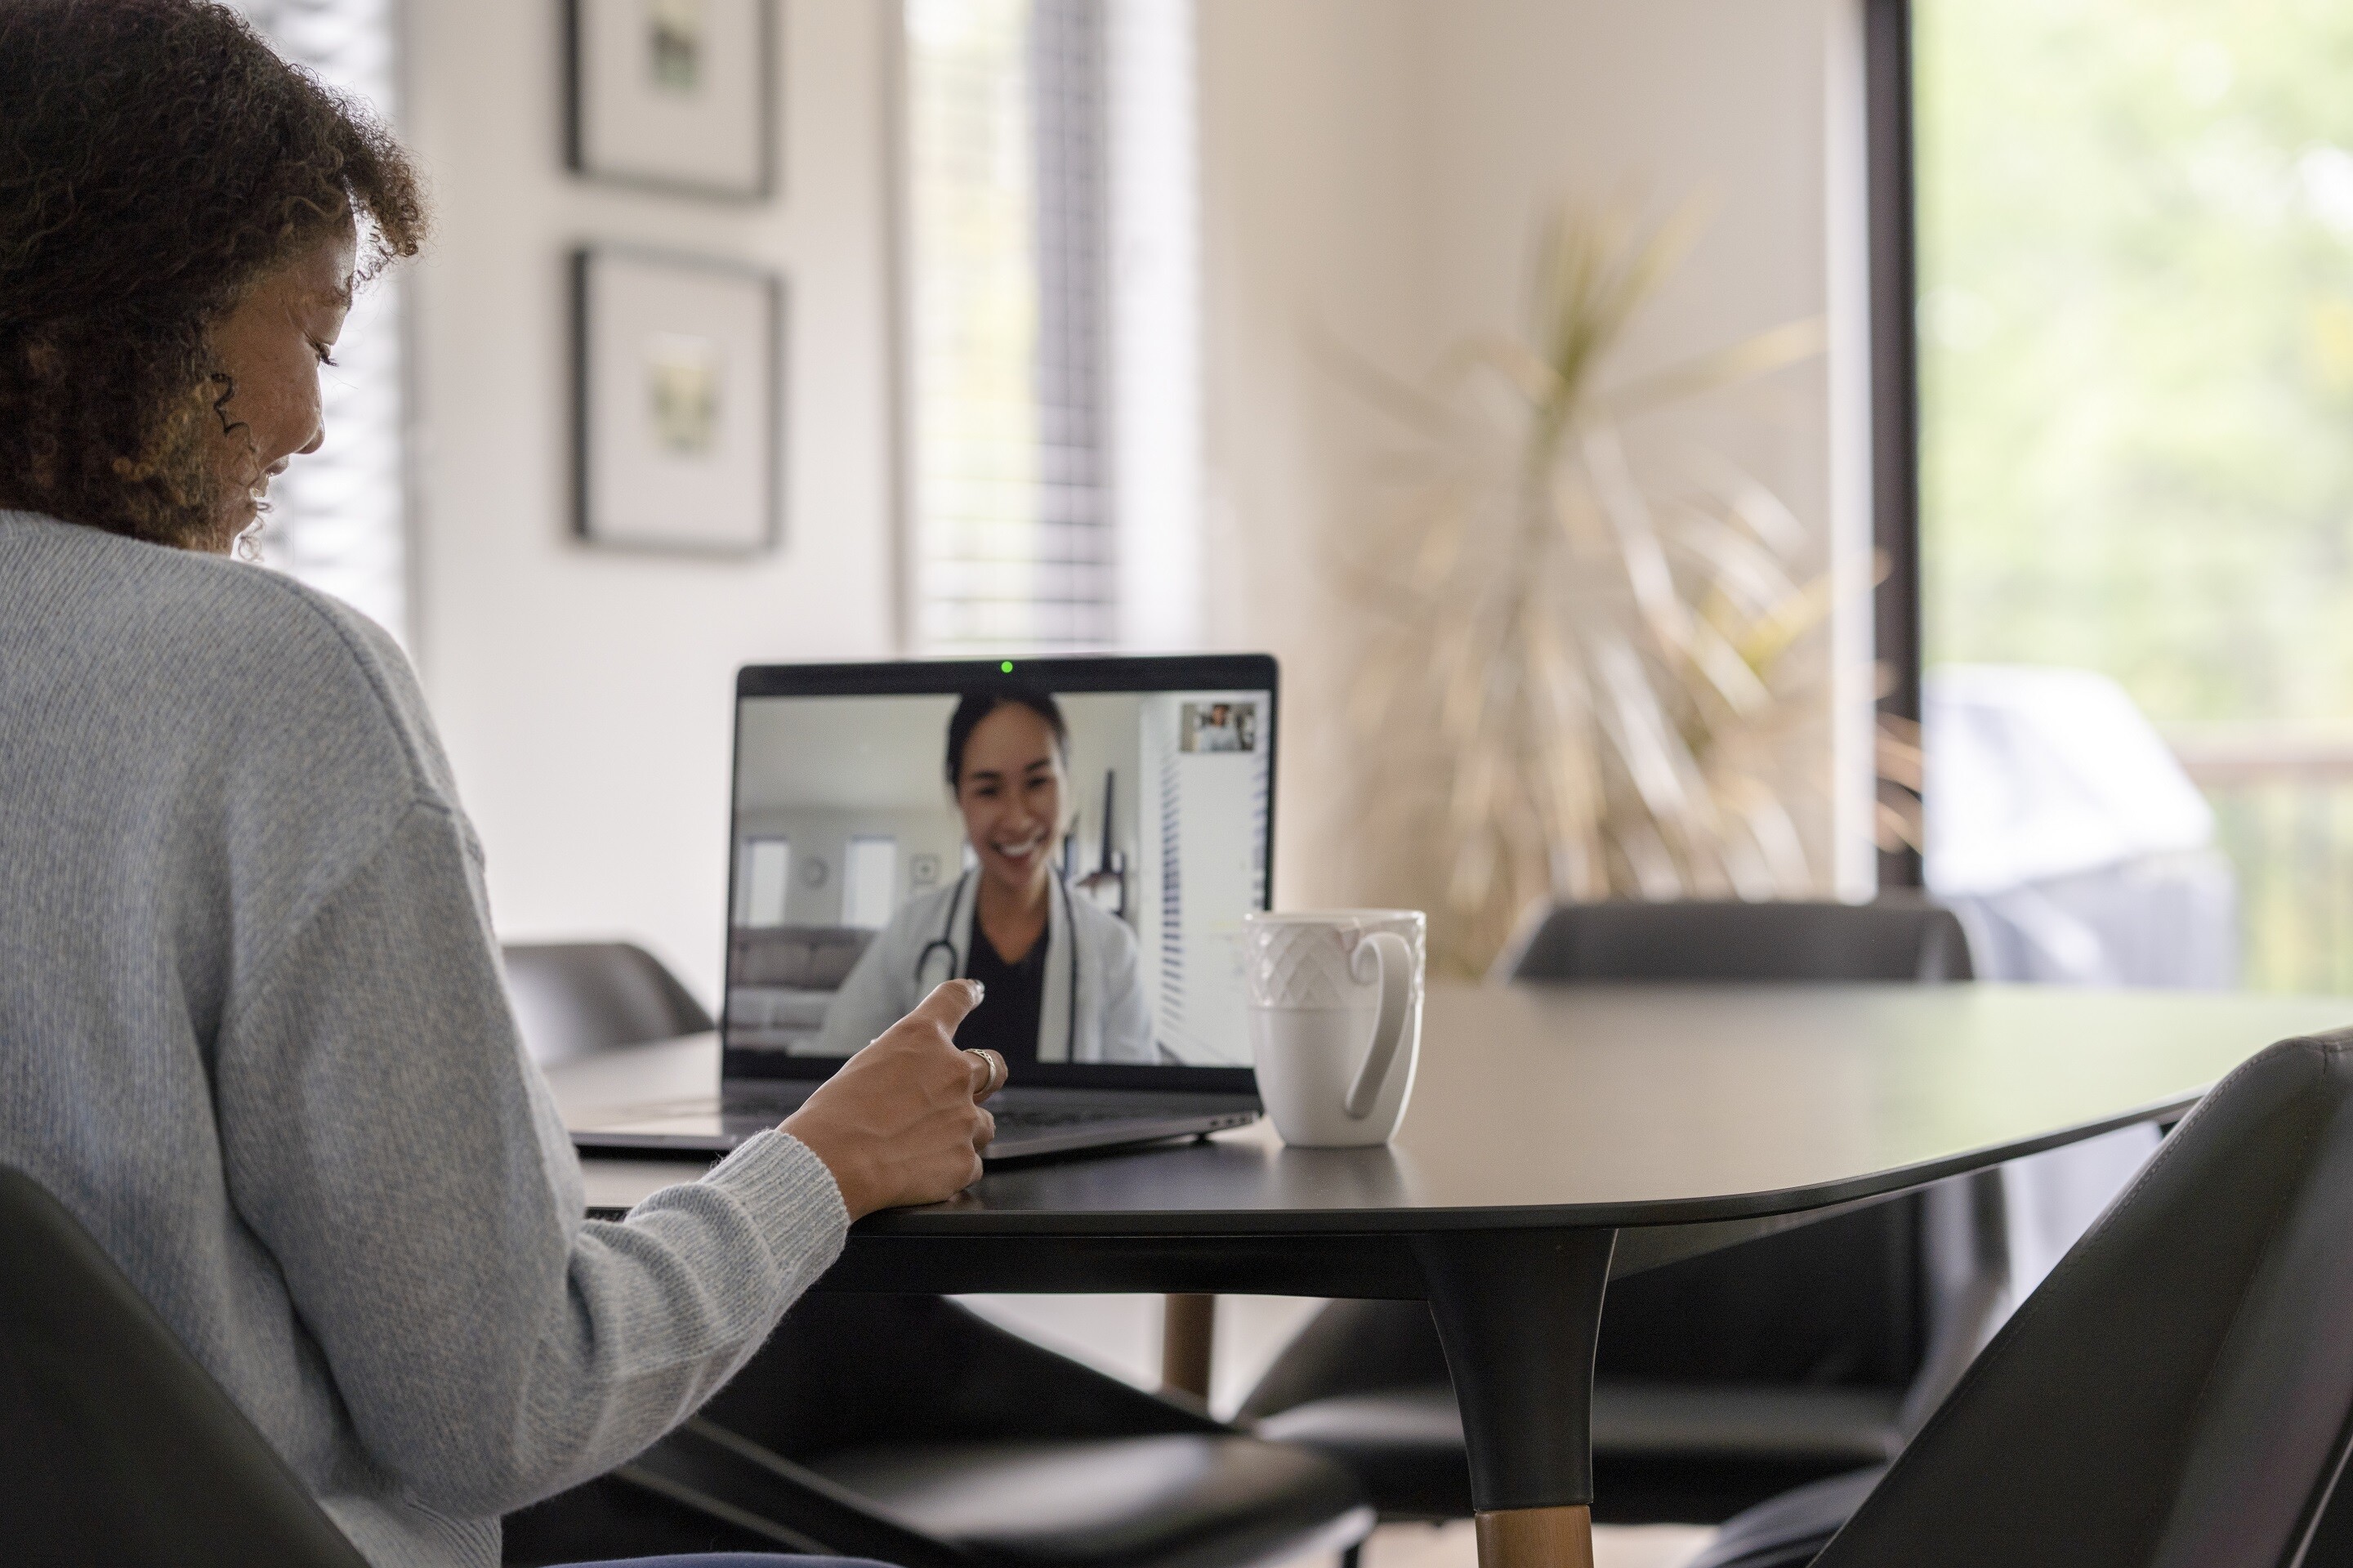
(1060, 972)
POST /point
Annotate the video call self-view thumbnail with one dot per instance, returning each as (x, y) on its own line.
(1127, 830)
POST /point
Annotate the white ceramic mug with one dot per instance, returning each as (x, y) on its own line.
(1334, 1020)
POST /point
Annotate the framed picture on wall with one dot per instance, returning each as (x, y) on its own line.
(678, 402)
(677, 94)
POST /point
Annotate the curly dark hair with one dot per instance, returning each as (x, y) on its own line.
(156, 158)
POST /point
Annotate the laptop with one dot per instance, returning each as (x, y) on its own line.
(1110, 821)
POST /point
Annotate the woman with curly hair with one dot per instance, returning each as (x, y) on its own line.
(252, 1032)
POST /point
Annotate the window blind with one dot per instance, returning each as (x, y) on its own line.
(338, 519)
(1034, 297)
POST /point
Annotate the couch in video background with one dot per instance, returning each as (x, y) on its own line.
(784, 978)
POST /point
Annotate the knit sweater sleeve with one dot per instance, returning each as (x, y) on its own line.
(387, 1142)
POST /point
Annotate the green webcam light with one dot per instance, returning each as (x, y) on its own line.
(1006, 666)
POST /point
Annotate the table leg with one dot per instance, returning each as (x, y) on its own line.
(1518, 1312)
(1188, 1342)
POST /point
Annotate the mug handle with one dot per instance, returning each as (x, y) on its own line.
(1392, 964)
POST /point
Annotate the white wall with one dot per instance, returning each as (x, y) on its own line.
(823, 833)
(1373, 170)
(585, 695)
(1314, 171)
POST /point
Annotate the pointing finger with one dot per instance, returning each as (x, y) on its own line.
(949, 1002)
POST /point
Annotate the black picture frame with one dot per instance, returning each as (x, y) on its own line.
(604, 518)
(588, 134)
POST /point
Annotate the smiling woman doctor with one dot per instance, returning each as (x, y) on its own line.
(1060, 973)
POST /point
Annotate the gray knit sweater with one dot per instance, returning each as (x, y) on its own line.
(252, 1034)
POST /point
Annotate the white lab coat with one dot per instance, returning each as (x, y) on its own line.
(1115, 1023)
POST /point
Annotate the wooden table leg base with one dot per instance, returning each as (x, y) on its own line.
(1187, 1338)
(1536, 1538)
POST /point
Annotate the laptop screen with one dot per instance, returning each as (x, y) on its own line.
(1083, 836)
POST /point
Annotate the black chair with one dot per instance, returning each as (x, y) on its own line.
(2179, 1392)
(115, 1447)
(905, 1428)
(1893, 939)
(1724, 1379)
(578, 998)
(120, 1450)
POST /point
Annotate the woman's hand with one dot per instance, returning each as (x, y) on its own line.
(901, 1121)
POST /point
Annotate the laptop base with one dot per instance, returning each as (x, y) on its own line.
(1030, 1122)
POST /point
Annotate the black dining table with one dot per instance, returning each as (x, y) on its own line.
(1558, 1138)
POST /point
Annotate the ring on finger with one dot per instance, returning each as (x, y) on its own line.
(997, 1071)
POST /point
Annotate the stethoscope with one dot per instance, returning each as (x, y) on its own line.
(945, 943)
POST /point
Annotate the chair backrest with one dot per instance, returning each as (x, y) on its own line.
(2177, 1391)
(577, 999)
(1697, 940)
(1351, 1347)
(119, 1448)
(848, 1371)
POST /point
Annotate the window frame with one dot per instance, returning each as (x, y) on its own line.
(1891, 205)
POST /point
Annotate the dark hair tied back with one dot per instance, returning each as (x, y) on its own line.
(156, 158)
(983, 701)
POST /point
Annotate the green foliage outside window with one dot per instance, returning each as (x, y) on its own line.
(2136, 332)
(2137, 324)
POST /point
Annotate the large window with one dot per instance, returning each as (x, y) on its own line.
(1050, 273)
(2135, 252)
(338, 519)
